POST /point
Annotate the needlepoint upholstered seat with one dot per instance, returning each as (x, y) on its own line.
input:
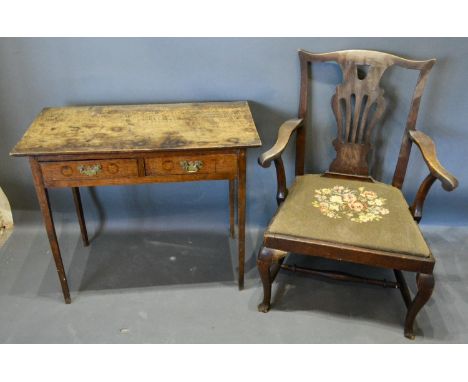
(369, 215)
(345, 214)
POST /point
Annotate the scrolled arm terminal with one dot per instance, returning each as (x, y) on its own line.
(284, 135)
(274, 154)
(436, 171)
(428, 151)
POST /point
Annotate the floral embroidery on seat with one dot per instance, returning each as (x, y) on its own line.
(359, 205)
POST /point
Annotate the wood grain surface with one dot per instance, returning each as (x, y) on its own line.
(139, 128)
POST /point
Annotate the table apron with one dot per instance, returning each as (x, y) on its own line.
(138, 180)
(177, 167)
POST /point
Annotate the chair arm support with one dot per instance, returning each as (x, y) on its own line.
(418, 203)
(281, 189)
(284, 135)
(428, 151)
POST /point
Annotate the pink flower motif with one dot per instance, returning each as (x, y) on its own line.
(369, 194)
(349, 198)
(323, 207)
(356, 206)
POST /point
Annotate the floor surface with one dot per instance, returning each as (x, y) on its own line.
(135, 285)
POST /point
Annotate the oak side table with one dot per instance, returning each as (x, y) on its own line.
(132, 144)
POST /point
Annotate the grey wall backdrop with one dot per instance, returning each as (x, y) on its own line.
(35, 73)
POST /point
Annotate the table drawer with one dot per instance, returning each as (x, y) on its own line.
(90, 169)
(191, 164)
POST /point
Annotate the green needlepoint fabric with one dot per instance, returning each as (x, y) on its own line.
(363, 214)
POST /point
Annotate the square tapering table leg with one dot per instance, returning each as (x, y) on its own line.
(232, 197)
(44, 204)
(80, 215)
(241, 195)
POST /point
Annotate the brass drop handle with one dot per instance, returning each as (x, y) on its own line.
(191, 166)
(90, 170)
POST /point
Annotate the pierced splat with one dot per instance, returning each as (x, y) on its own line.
(358, 105)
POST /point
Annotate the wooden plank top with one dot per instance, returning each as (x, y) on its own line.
(139, 128)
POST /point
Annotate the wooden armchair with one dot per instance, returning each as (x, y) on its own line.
(344, 214)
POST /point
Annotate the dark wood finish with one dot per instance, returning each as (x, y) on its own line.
(140, 180)
(44, 204)
(341, 276)
(232, 196)
(403, 158)
(264, 263)
(281, 191)
(241, 201)
(436, 171)
(358, 105)
(362, 71)
(361, 178)
(136, 155)
(87, 170)
(425, 283)
(141, 167)
(428, 151)
(80, 215)
(405, 293)
(269, 263)
(349, 253)
(285, 133)
(117, 145)
(173, 165)
(353, 104)
(302, 114)
(418, 204)
(137, 168)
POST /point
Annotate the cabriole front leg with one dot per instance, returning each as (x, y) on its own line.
(264, 262)
(425, 284)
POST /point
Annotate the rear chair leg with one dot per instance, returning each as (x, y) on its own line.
(425, 283)
(405, 293)
(264, 262)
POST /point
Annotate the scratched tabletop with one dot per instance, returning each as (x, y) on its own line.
(135, 128)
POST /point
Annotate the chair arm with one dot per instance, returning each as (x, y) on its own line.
(284, 135)
(428, 151)
(274, 154)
